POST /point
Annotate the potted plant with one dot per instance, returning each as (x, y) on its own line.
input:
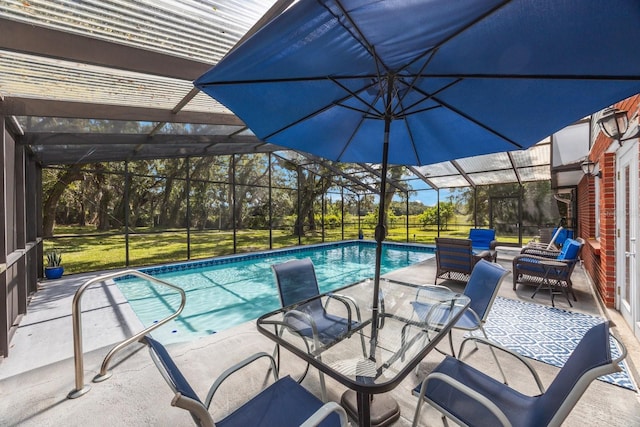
(54, 270)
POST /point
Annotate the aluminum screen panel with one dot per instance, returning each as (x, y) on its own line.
(195, 29)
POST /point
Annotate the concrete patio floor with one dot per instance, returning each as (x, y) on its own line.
(39, 372)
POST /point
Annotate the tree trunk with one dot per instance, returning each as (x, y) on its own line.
(163, 218)
(72, 173)
(103, 223)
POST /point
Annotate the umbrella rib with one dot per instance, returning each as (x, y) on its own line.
(348, 143)
(427, 96)
(414, 79)
(439, 75)
(356, 96)
(460, 31)
(308, 116)
(288, 80)
(482, 125)
(366, 113)
(413, 143)
(536, 76)
(360, 35)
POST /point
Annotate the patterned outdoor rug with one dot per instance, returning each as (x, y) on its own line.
(546, 334)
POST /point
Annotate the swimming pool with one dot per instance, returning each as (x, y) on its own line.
(226, 291)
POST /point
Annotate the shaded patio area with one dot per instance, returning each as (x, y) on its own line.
(36, 379)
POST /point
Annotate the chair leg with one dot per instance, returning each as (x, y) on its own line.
(570, 286)
(323, 387)
(453, 352)
(276, 357)
(495, 357)
(364, 345)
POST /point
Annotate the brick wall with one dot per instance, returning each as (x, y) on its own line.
(599, 257)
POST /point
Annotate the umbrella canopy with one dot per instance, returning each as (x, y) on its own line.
(464, 77)
(416, 82)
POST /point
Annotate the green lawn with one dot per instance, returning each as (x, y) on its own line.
(83, 251)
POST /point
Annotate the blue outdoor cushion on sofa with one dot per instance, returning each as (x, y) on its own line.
(570, 250)
(481, 238)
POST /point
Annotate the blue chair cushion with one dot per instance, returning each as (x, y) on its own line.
(284, 403)
(481, 238)
(516, 406)
(569, 250)
(329, 327)
(562, 236)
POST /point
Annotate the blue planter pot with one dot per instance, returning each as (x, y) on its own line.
(53, 272)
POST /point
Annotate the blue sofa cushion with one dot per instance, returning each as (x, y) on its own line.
(481, 238)
(570, 250)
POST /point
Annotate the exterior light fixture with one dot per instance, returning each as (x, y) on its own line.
(614, 123)
(589, 167)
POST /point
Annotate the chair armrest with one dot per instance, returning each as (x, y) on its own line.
(486, 254)
(539, 251)
(492, 344)
(493, 244)
(484, 401)
(235, 368)
(303, 317)
(534, 259)
(424, 288)
(623, 350)
(348, 302)
(325, 410)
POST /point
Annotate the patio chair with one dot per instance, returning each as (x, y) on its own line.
(455, 259)
(283, 403)
(528, 267)
(482, 289)
(484, 239)
(297, 282)
(551, 238)
(544, 251)
(472, 398)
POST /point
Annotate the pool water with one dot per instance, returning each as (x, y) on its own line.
(225, 292)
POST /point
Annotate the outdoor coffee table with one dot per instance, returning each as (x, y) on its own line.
(386, 360)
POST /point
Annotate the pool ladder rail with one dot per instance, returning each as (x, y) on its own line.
(76, 313)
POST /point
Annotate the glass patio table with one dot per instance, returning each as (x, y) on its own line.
(373, 366)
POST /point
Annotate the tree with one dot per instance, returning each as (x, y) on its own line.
(54, 188)
(441, 218)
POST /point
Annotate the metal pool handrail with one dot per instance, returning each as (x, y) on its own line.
(78, 354)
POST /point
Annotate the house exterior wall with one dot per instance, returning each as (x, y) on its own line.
(599, 255)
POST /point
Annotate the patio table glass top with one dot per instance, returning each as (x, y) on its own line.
(353, 358)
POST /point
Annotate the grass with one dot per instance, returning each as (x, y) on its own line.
(83, 250)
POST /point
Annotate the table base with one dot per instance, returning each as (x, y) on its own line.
(384, 409)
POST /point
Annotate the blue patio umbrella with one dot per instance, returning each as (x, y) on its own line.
(415, 82)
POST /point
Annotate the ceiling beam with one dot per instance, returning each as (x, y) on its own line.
(34, 40)
(336, 171)
(98, 139)
(85, 110)
(463, 173)
(378, 174)
(423, 177)
(513, 166)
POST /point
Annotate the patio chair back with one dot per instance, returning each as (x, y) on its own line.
(455, 258)
(483, 286)
(482, 238)
(296, 280)
(471, 397)
(590, 359)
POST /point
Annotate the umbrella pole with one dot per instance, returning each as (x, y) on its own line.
(380, 234)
